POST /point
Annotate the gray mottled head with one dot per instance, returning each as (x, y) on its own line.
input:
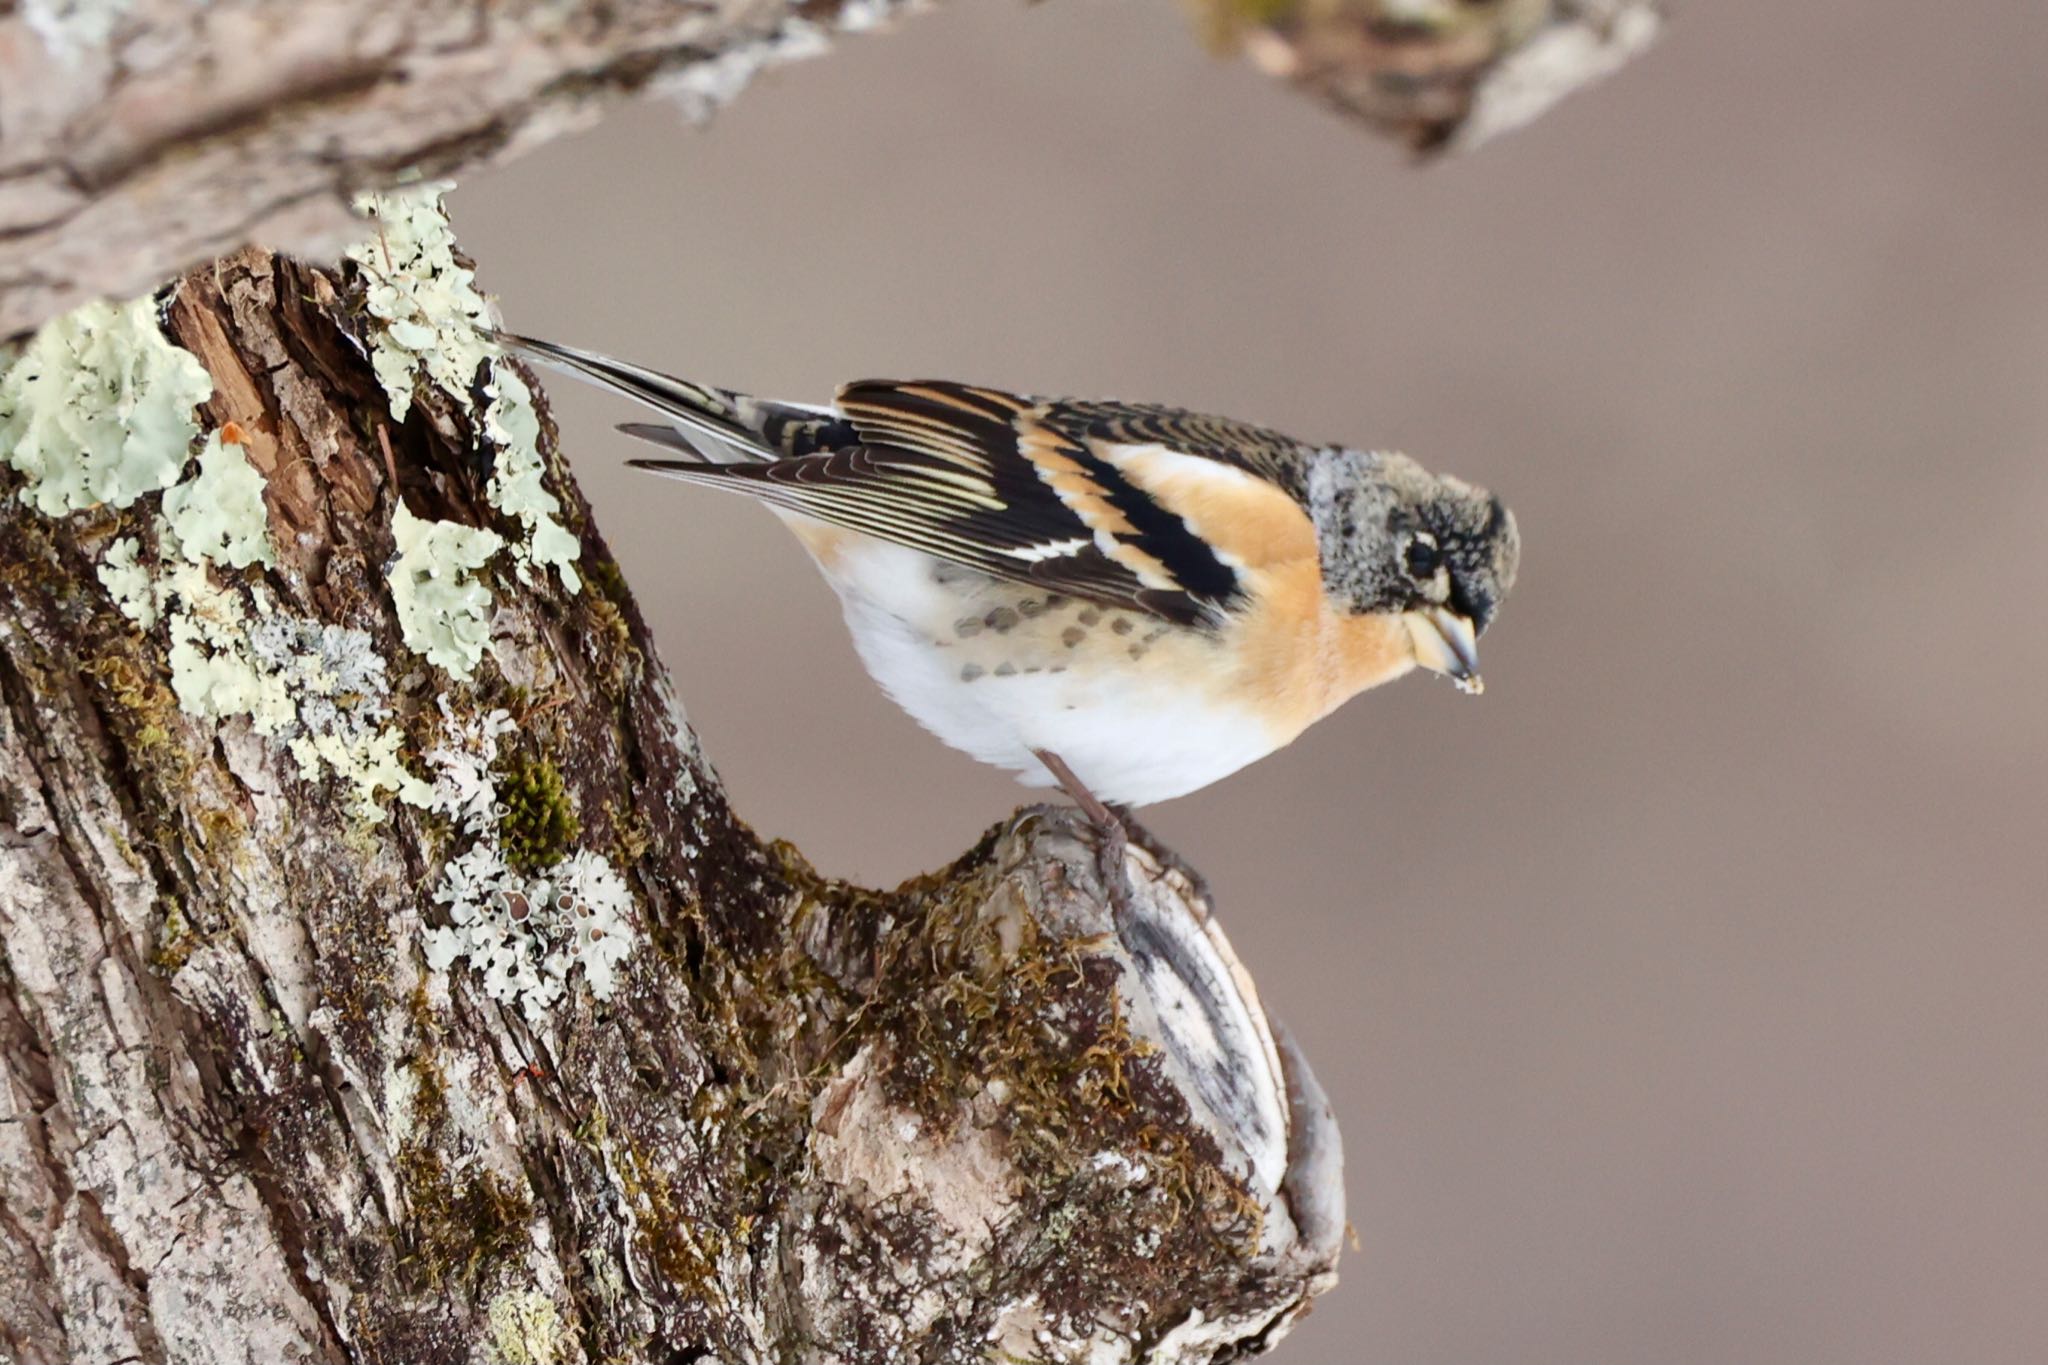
(1395, 538)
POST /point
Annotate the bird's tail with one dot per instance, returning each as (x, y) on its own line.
(715, 425)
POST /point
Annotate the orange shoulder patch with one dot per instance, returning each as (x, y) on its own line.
(1247, 519)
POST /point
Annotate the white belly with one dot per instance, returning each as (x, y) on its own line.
(1134, 731)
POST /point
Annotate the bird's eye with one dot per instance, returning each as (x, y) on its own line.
(1424, 558)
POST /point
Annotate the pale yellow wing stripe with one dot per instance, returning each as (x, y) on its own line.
(1249, 522)
(933, 435)
(1047, 451)
(933, 438)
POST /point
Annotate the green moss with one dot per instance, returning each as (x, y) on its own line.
(630, 836)
(611, 640)
(454, 1226)
(456, 1229)
(218, 825)
(419, 1007)
(430, 1094)
(608, 578)
(964, 1000)
(687, 1256)
(355, 959)
(142, 710)
(429, 1097)
(540, 824)
(175, 939)
(1262, 12)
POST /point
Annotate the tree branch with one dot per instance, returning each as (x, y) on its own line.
(1440, 75)
(139, 138)
(386, 977)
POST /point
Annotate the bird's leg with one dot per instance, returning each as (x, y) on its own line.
(1110, 849)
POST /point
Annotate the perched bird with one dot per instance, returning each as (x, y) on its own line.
(1132, 601)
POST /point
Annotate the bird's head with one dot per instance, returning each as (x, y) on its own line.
(1433, 550)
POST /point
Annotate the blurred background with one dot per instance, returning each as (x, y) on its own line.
(1683, 999)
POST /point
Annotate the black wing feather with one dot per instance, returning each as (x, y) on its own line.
(947, 469)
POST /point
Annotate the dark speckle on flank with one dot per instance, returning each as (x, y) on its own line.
(1122, 625)
(1072, 635)
(967, 625)
(1006, 670)
(1090, 615)
(1001, 620)
(1029, 607)
(971, 672)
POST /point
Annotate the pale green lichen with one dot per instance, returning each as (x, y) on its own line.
(526, 1328)
(515, 487)
(338, 679)
(429, 314)
(213, 671)
(128, 583)
(218, 514)
(368, 764)
(98, 408)
(443, 611)
(430, 319)
(320, 688)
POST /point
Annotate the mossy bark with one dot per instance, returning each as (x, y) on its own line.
(978, 1117)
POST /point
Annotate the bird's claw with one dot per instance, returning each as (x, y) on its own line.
(1113, 865)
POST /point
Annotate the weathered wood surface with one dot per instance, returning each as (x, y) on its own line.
(139, 138)
(242, 1117)
(1439, 75)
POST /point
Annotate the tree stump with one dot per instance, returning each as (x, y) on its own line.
(385, 977)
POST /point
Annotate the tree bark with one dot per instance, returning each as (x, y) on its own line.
(1439, 75)
(253, 1106)
(139, 138)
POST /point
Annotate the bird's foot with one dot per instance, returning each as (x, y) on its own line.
(1166, 861)
(1113, 864)
(1113, 841)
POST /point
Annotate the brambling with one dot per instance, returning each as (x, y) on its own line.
(1129, 600)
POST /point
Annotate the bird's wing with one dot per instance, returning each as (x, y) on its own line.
(1273, 456)
(716, 424)
(1023, 490)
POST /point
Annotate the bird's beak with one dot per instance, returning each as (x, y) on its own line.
(1445, 643)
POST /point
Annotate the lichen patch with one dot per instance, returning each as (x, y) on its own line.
(526, 1328)
(524, 934)
(428, 314)
(516, 490)
(122, 574)
(218, 514)
(98, 408)
(444, 613)
(72, 28)
(428, 321)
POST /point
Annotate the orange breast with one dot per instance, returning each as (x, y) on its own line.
(1298, 660)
